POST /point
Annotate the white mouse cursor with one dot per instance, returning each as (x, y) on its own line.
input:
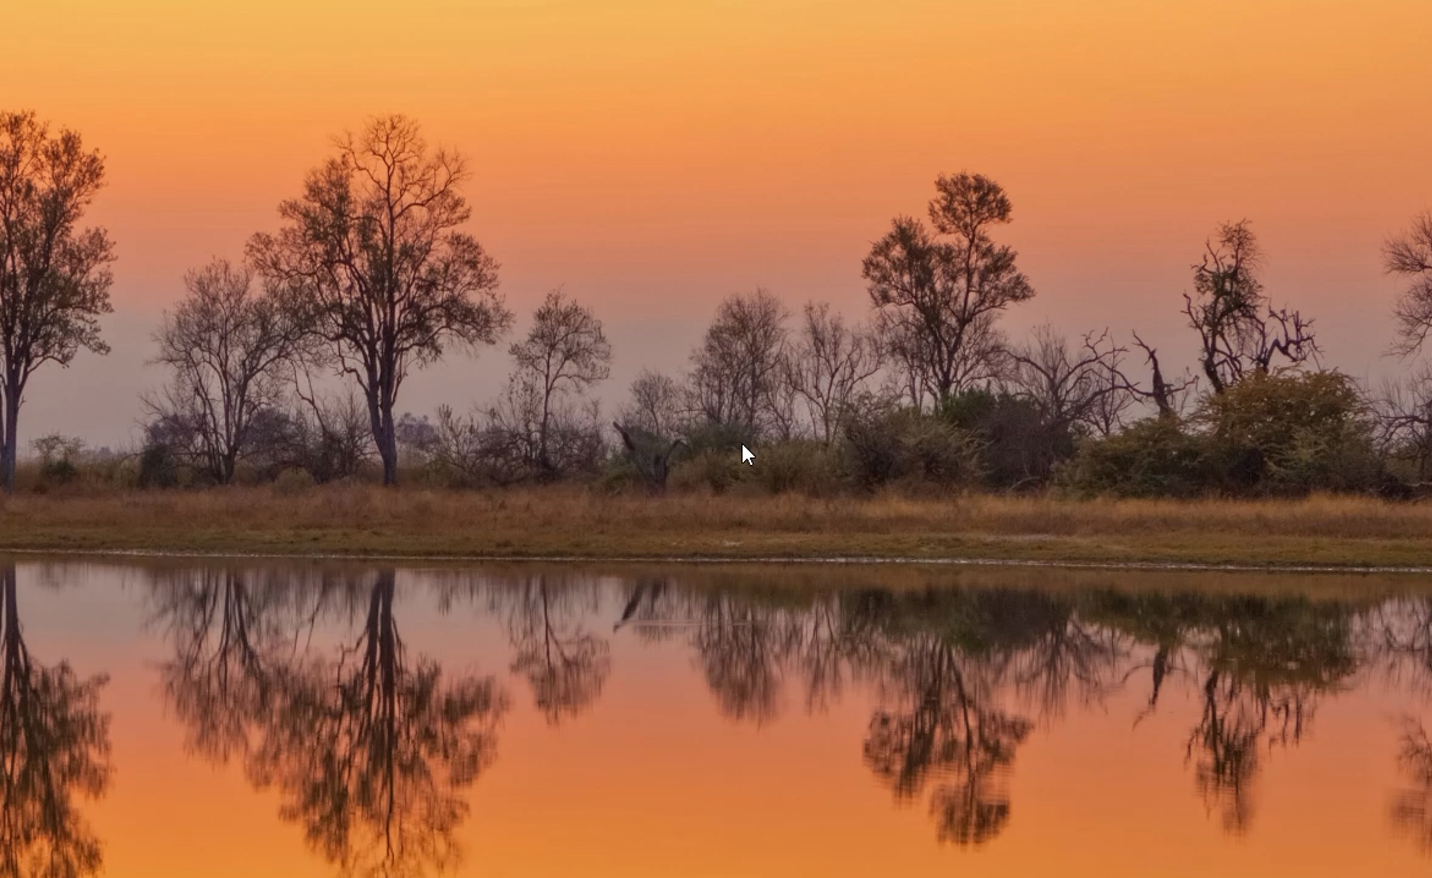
(747, 457)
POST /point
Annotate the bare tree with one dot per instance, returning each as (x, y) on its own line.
(1072, 388)
(565, 351)
(828, 365)
(937, 298)
(655, 404)
(1410, 255)
(1404, 419)
(1166, 396)
(54, 275)
(229, 347)
(1239, 331)
(372, 259)
(738, 367)
(650, 454)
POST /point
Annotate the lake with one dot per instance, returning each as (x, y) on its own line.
(223, 718)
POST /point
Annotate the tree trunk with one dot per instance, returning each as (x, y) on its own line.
(380, 416)
(388, 447)
(8, 451)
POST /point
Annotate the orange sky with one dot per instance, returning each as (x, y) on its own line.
(654, 157)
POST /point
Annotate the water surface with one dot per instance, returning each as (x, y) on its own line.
(191, 718)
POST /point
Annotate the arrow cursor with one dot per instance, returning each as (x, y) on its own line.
(747, 457)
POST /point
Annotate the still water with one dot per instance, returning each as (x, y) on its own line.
(218, 719)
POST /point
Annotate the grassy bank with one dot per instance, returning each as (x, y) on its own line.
(364, 520)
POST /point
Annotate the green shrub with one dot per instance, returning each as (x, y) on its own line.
(888, 444)
(799, 465)
(1291, 434)
(1157, 457)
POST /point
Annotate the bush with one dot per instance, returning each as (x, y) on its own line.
(715, 469)
(1291, 434)
(800, 465)
(158, 467)
(1157, 457)
(888, 444)
(1016, 447)
(1266, 435)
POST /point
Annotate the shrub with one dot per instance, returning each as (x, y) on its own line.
(887, 444)
(1016, 448)
(715, 469)
(1291, 434)
(794, 466)
(1157, 457)
(158, 467)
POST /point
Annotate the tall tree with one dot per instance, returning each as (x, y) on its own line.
(227, 345)
(1239, 332)
(936, 297)
(54, 275)
(372, 259)
(566, 350)
(737, 368)
(828, 365)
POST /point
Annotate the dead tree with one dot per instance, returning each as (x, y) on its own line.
(650, 454)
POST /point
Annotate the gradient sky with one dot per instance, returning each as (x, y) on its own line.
(654, 157)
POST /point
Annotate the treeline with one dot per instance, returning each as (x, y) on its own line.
(287, 365)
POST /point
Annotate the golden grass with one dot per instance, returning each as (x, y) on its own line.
(367, 520)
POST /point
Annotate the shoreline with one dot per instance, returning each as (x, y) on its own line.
(721, 561)
(569, 525)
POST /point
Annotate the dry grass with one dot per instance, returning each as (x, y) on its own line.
(365, 520)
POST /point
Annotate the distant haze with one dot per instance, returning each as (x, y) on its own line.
(652, 157)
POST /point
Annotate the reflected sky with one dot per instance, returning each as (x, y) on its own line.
(191, 718)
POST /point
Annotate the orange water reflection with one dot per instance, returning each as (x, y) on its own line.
(344, 721)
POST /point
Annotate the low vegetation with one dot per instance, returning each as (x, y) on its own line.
(355, 519)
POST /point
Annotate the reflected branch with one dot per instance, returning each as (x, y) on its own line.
(54, 746)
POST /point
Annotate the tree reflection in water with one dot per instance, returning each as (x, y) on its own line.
(369, 747)
(54, 746)
(963, 675)
(565, 664)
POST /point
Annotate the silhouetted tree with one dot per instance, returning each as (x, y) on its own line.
(229, 347)
(737, 369)
(1075, 390)
(1239, 331)
(1403, 411)
(1410, 256)
(372, 261)
(565, 351)
(54, 275)
(936, 299)
(655, 405)
(828, 366)
(54, 746)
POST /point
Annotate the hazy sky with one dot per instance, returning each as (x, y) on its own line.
(653, 157)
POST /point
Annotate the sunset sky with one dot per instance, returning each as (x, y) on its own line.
(654, 157)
